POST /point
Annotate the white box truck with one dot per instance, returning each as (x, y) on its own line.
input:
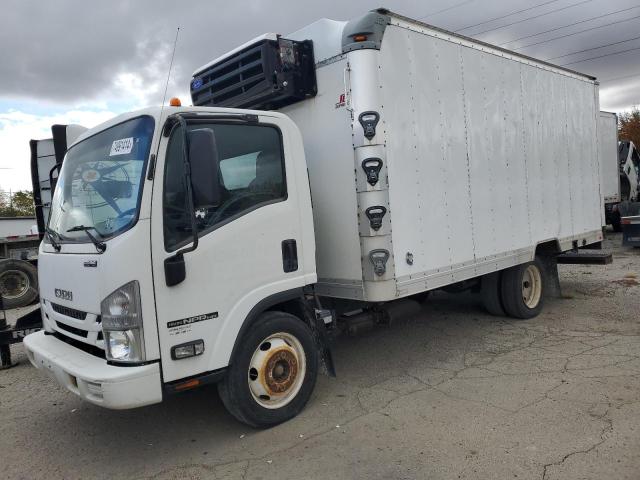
(223, 242)
(20, 237)
(609, 164)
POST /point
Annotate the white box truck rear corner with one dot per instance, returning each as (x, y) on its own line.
(226, 243)
(609, 162)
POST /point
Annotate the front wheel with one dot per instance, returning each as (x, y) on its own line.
(523, 290)
(273, 372)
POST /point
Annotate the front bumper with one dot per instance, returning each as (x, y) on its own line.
(91, 378)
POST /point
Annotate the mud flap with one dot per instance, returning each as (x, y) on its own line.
(323, 341)
(550, 278)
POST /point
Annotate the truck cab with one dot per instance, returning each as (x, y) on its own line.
(168, 228)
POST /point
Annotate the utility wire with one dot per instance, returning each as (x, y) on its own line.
(575, 33)
(570, 25)
(445, 9)
(507, 15)
(533, 17)
(601, 56)
(620, 78)
(590, 49)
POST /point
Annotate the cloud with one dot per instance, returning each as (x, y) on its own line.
(80, 56)
(72, 51)
(17, 128)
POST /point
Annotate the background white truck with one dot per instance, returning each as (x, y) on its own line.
(620, 170)
(184, 247)
(609, 163)
(20, 236)
(629, 164)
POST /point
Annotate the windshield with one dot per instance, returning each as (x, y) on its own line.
(100, 184)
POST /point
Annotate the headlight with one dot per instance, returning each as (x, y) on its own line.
(122, 324)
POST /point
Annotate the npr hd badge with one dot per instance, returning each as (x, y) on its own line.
(196, 83)
(183, 325)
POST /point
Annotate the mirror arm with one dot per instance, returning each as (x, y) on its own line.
(189, 189)
(174, 266)
(52, 184)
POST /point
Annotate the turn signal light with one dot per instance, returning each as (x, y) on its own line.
(360, 37)
(187, 385)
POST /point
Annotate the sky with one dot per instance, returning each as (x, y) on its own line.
(85, 61)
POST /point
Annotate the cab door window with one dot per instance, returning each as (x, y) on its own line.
(251, 175)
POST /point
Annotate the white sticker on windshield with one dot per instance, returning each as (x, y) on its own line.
(121, 147)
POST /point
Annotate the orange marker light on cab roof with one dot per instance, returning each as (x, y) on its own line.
(175, 102)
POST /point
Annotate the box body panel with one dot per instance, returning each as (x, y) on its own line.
(487, 157)
(326, 131)
(483, 155)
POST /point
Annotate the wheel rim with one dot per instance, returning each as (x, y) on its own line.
(531, 286)
(277, 370)
(14, 284)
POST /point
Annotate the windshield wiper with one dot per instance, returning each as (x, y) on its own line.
(50, 235)
(100, 246)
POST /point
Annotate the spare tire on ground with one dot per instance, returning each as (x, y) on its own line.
(18, 283)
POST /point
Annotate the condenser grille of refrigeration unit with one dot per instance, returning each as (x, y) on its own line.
(266, 75)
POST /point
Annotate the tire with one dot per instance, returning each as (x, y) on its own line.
(277, 344)
(18, 283)
(523, 290)
(615, 221)
(490, 291)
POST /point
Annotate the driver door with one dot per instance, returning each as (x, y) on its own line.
(239, 259)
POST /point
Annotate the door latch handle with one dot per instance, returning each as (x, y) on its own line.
(372, 167)
(379, 259)
(289, 255)
(375, 214)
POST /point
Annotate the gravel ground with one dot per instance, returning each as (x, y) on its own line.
(450, 393)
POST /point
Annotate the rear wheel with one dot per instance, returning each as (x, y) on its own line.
(18, 283)
(273, 372)
(616, 221)
(523, 290)
(490, 291)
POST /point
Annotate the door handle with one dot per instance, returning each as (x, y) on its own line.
(289, 255)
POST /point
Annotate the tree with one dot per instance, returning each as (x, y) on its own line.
(17, 204)
(629, 126)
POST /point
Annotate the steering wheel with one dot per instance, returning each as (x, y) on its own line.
(219, 213)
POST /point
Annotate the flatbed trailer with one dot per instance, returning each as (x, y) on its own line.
(30, 322)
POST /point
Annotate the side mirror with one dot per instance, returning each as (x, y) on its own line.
(204, 163)
(174, 270)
